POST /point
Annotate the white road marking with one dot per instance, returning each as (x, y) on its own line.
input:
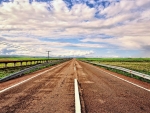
(77, 98)
(27, 80)
(127, 81)
(74, 68)
(75, 72)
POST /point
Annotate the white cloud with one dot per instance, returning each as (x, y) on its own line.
(72, 53)
(126, 42)
(40, 50)
(25, 46)
(127, 21)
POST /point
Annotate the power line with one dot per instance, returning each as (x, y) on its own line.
(48, 54)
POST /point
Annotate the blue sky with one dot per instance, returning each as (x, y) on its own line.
(83, 28)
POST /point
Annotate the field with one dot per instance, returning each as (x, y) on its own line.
(20, 58)
(143, 67)
(138, 64)
(11, 69)
(117, 59)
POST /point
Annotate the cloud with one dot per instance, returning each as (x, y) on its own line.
(126, 42)
(125, 21)
(40, 50)
(25, 46)
(73, 53)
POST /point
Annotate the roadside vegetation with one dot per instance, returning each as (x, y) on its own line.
(117, 59)
(141, 65)
(7, 71)
(11, 69)
(21, 59)
(125, 73)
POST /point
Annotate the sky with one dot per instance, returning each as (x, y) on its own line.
(75, 28)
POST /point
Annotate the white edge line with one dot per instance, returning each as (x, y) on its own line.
(127, 81)
(27, 80)
(77, 98)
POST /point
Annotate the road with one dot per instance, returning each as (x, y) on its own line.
(52, 91)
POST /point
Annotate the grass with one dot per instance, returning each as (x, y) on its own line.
(117, 59)
(7, 71)
(143, 67)
(21, 58)
(12, 64)
(42, 67)
(125, 73)
(137, 64)
(24, 58)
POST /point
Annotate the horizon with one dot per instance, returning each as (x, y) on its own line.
(25, 56)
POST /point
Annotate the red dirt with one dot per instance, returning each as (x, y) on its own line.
(53, 92)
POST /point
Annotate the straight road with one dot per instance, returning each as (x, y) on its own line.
(53, 92)
(104, 93)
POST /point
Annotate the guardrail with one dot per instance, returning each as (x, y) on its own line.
(17, 63)
(145, 76)
(20, 73)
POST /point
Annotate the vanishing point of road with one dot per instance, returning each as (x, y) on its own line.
(51, 90)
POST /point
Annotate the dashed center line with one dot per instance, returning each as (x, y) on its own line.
(77, 98)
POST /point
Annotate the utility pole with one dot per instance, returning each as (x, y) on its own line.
(48, 54)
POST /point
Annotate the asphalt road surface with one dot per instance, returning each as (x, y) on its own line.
(52, 91)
